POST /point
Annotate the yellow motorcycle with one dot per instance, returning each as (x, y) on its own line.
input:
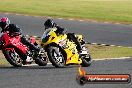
(61, 51)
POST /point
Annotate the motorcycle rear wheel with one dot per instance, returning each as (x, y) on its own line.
(13, 58)
(86, 60)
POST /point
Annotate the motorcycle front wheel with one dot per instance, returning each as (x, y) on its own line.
(13, 58)
(56, 56)
(41, 59)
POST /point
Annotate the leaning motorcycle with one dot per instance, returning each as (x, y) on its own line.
(16, 52)
(62, 52)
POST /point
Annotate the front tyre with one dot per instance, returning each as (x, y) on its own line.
(13, 58)
(56, 56)
(41, 60)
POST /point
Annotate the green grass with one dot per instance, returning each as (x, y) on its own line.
(97, 52)
(101, 10)
(3, 62)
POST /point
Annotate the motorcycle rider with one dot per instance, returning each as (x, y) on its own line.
(71, 36)
(14, 31)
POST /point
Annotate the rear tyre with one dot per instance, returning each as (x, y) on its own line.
(86, 60)
(13, 58)
(56, 56)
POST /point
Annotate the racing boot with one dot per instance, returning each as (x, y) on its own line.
(29, 59)
(80, 53)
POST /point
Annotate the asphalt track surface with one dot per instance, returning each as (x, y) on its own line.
(51, 77)
(94, 32)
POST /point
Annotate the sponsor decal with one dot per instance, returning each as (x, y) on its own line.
(83, 78)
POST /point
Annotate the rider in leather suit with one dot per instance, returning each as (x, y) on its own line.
(50, 24)
(14, 30)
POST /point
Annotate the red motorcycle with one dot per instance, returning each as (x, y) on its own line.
(16, 52)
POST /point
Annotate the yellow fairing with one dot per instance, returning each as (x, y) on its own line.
(72, 54)
(72, 58)
(71, 51)
(52, 35)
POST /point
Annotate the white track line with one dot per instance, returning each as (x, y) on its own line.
(71, 19)
(103, 44)
(93, 60)
(112, 58)
(35, 64)
(81, 20)
(112, 45)
(60, 18)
